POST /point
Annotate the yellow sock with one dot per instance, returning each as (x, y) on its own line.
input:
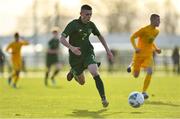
(16, 79)
(13, 76)
(146, 82)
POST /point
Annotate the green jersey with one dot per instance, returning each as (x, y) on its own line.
(53, 44)
(79, 33)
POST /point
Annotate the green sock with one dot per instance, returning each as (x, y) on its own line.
(99, 86)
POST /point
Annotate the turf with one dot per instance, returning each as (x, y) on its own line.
(70, 100)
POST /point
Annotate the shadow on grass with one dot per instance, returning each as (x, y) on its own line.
(161, 103)
(92, 114)
(87, 113)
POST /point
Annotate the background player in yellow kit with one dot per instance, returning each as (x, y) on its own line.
(143, 56)
(14, 48)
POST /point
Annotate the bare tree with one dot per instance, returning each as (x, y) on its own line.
(118, 14)
(171, 18)
(120, 17)
(56, 15)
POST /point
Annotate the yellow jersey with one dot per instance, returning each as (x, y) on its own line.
(15, 48)
(146, 37)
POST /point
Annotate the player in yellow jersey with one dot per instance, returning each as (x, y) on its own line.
(14, 48)
(144, 48)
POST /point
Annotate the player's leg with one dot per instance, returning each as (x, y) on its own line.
(136, 73)
(56, 71)
(48, 64)
(93, 69)
(80, 78)
(147, 81)
(129, 67)
(16, 78)
(136, 70)
(16, 70)
(48, 68)
(137, 62)
(18, 67)
(12, 72)
(148, 63)
(10, 78)
(70, 76)
(77, 72)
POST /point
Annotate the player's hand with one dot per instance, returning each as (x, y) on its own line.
(110, 56)
(158, 51)
(137, 50)
(76, 50)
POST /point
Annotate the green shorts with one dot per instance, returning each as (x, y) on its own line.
(78, 65)
(51, 59)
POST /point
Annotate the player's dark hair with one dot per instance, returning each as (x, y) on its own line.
(153, 16)
(54, 31)
(86, 7)
(16, 35)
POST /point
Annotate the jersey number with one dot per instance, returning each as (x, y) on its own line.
(84, 36)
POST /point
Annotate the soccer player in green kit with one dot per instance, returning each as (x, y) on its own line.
(52, 57)
(81, 53)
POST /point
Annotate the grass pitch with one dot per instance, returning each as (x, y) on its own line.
(70, 100)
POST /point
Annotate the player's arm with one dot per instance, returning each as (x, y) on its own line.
(70, 28)
(133, 37)
(96, 32)
(158, 50)
(109, 53)
(25, 42)
(75, 50)
(8, 48)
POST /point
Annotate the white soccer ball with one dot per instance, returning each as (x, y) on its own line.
(135, 99)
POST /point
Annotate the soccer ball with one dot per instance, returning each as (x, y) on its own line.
(135, 99)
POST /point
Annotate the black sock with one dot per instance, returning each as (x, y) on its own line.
(46, 75)
(55, 73)
(100, 86)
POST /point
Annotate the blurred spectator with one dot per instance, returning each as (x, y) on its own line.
(175, 59)
(154, 59)
(2, 62)
(165, 62)
(24, 65)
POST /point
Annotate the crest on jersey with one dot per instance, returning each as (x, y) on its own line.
(80, 30)
(89, 31)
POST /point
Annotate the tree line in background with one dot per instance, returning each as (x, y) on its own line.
(118, 15)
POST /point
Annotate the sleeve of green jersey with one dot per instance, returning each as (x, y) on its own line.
(95, 31)
(50, 44)
(68, 30)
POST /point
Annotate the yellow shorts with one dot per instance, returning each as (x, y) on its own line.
(140, 61)
(17, 64)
